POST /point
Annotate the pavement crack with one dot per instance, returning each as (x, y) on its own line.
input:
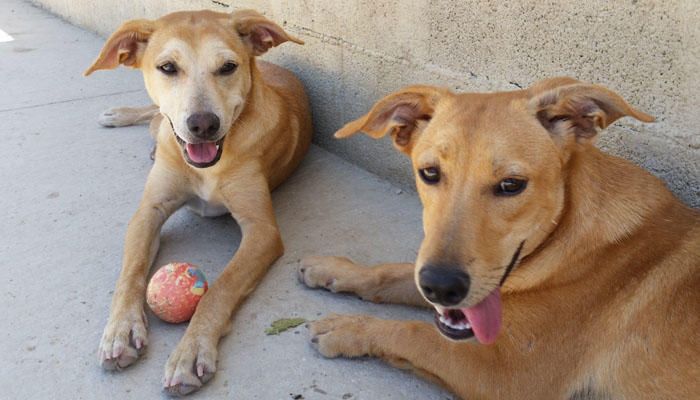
(2, 110)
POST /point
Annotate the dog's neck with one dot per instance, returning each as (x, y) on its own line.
(607, 200)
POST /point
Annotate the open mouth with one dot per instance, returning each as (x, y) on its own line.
(482, 321)
(201, 155)
(453, 324)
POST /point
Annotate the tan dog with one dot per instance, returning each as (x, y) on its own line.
(596, 262)
(233, 128)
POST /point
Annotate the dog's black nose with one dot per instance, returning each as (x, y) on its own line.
(203, 125)
(443, 285)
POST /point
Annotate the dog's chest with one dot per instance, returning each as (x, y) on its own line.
(207, 201)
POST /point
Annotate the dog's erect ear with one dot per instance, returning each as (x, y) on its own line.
(399, 114)
(259, 33)
(125, 46)
(581, 110)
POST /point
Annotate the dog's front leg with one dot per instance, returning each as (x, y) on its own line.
(125, 335)
(193, 362)
(469, 370)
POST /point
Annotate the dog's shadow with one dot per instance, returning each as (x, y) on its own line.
(208, 243)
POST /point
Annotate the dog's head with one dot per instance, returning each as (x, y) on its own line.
(491, 173)
(198, 68)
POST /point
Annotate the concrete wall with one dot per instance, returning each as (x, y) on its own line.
(357, 51)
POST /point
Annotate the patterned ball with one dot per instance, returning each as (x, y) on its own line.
(175, 290)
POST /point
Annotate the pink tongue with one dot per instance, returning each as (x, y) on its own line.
(485, 317)
(201, 152)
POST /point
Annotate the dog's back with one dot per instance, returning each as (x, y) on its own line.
(656, 311)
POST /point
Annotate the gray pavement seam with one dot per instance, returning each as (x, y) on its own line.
(2, 110)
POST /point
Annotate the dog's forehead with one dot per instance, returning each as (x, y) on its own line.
(484, 110)
(472, 117)
(194, 18)
(196, 32)
(210, 49)
(483, 127)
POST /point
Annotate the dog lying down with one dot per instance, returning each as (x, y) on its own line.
(556, 271)
(228, 129)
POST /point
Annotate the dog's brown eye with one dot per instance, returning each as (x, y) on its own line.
(228, 68)
(168, 68)
(510, 187)
(430, 175)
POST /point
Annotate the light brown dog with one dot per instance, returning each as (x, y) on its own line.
(557, 271)
(232, 129)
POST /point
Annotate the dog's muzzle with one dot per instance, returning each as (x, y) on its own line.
(199, 155)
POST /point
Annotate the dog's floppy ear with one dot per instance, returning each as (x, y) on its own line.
(259, 33)
(545, 85)
(399, 114)
(125, 46)
(581, 110)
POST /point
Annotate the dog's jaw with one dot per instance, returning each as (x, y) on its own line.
(206, 164)
(481, 321)
(186, 148)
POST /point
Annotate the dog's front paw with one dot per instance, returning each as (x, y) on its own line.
(191, 365)
(118, 116)
(124, 339)
(343, 335)
(337, 274)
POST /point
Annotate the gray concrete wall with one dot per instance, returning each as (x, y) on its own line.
(357, 51)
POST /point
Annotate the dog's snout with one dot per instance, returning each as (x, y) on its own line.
(443, 284)
(204, 125)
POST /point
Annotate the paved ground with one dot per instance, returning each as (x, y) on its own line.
(70, 187)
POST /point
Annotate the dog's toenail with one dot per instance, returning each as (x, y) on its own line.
(314, 339)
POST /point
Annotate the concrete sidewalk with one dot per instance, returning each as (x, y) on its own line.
(71, 186)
